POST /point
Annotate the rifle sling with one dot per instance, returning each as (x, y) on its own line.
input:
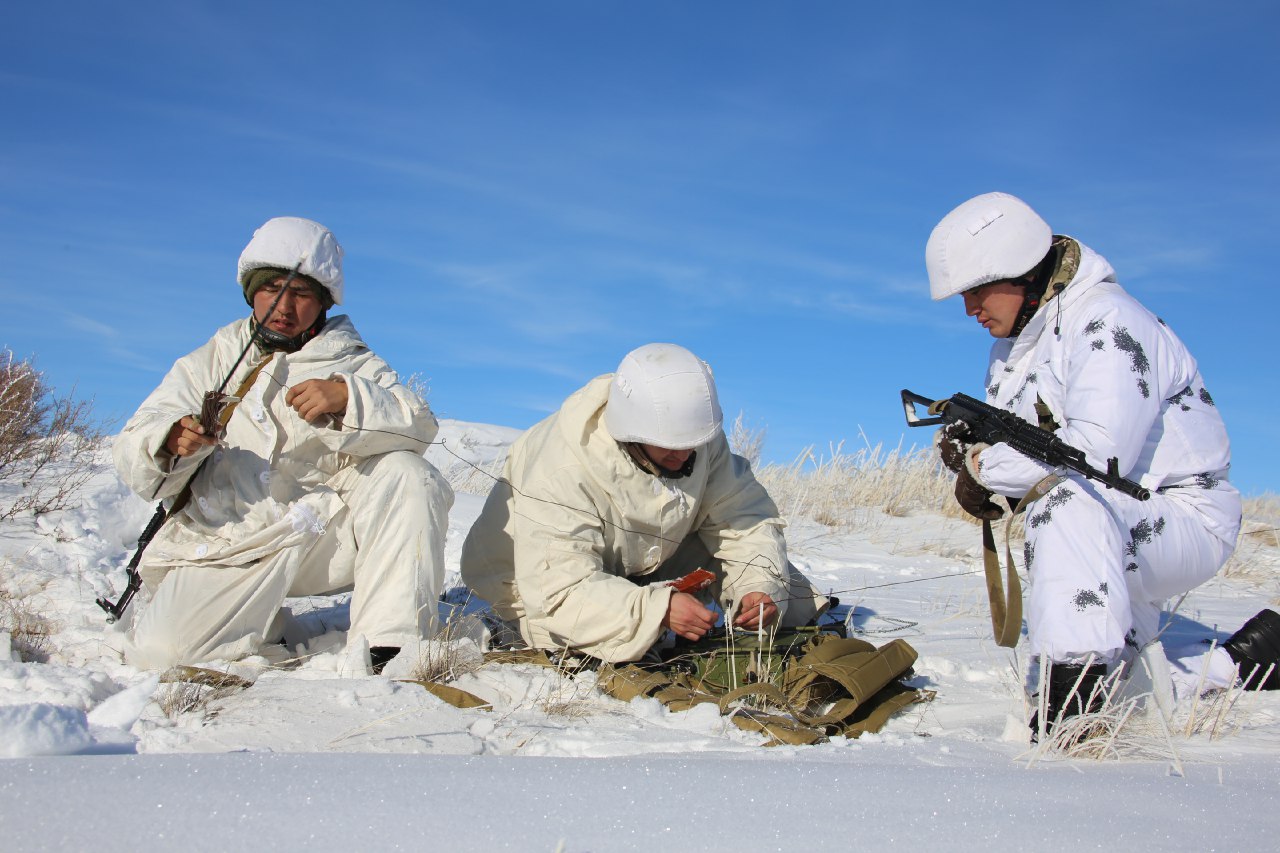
(1006, 604)
(116, 610)
(224, 417)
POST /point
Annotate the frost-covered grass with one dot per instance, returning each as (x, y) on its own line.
(843, 489)
(1259, 539)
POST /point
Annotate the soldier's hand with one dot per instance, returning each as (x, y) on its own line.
(318, 397)
(750, 611)
(187, 437)
(687, 617)
(975, 498)
(954, 440)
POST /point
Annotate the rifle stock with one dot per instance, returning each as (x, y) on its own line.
(990, 425)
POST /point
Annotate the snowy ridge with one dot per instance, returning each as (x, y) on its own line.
(309, 756)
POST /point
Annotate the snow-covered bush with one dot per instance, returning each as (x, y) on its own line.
(48, 443)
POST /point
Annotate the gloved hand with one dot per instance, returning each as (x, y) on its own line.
(954, 440)
(975, 498)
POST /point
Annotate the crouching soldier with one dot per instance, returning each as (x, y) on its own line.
(631, 482)
(318, 484)
(1082, 358)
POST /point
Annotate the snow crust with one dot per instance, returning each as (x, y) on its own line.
(312, 758)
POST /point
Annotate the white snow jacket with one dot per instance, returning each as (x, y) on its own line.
(1119, 383)
(268, 486)
(554, 552)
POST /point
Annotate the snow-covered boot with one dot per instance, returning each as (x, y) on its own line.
(1256, 648)
(1066, 698)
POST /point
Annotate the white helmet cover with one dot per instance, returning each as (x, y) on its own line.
(285, 241)
(988, 238)
(663, 395)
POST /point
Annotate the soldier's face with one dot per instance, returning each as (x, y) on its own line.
(297, 310)
(995, 306)
(672, 460)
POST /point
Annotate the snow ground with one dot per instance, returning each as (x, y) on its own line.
(310, 757)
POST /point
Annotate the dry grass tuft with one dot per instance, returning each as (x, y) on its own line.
(566, 695)
(570, 704)
(839, 489)
(185, 697)
(1258, 548)
(453, 653)
(30, 633)
(745, 441)
(189, 689)
(1131, 727)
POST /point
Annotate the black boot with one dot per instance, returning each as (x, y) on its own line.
(1068, 699)
(380, 656)
(1254, 648)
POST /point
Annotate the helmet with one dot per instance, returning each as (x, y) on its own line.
(665, 396)
(291, 241)
(988, 238)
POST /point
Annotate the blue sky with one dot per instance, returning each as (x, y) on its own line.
(527, 190)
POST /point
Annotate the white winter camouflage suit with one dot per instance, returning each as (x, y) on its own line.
(554, 555)
(284, 507)
(1122, 385)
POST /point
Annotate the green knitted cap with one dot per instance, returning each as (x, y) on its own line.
(263, 276)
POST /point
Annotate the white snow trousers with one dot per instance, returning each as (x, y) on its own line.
(1101, 564)
(387, 541)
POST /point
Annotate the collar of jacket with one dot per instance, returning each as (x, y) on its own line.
(336, 339)
(1065, 270)
(1065, 265)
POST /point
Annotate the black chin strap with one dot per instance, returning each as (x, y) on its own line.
(1035, 289)
(272, 341)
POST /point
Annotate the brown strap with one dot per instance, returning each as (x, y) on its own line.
(1006, 607)
(455, 696)
(779, 729)
(224, 417)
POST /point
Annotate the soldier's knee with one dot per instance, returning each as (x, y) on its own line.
(405, 472)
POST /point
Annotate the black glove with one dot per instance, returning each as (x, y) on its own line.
(954, 441)
(974, 498)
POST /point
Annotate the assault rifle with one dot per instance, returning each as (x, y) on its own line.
(213, 423)
(990, 425)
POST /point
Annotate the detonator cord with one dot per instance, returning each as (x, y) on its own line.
(765, 566)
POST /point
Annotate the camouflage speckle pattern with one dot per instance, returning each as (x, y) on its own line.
(1207, 481)
(1059, 496)
(1125, 342)
(1177, 399)
(1087, 598)
(1032, 379)
(1141, 534)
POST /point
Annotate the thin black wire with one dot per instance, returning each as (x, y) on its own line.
(767, 566)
